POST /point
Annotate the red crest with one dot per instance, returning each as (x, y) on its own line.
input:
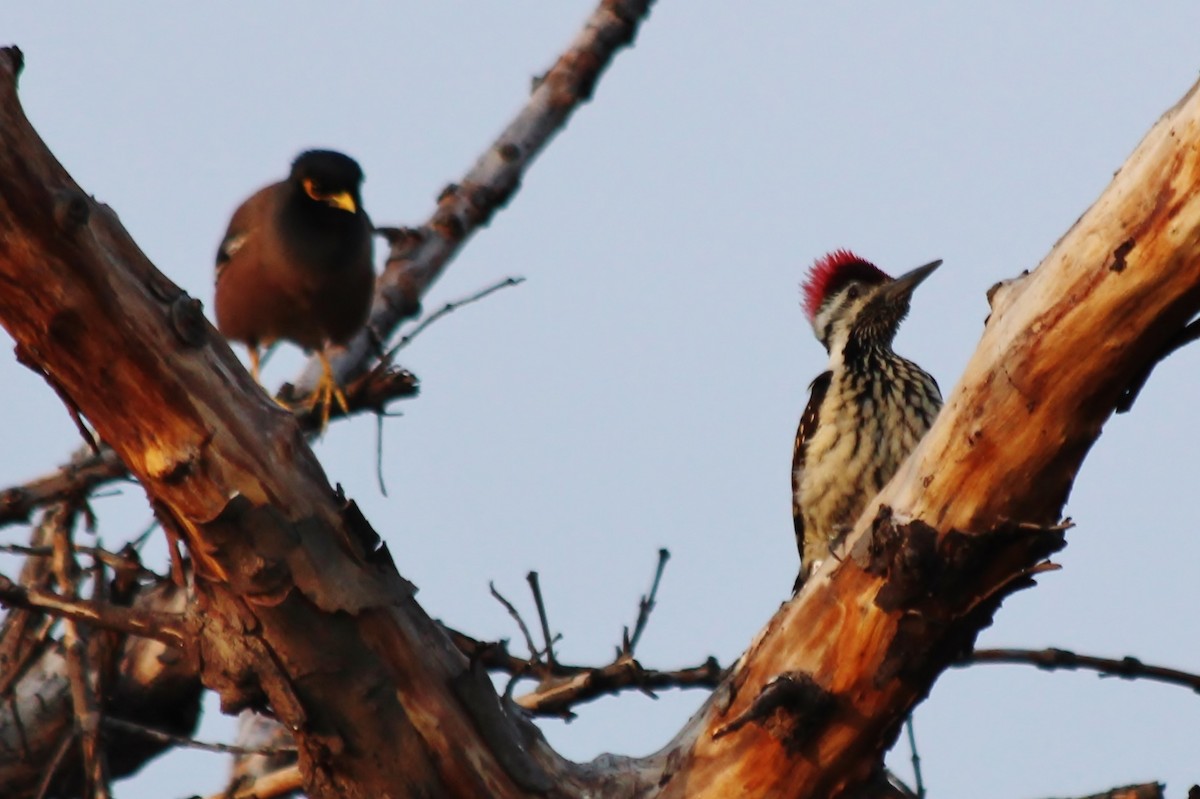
(833, 271)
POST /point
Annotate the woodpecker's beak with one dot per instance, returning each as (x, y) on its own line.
(902, 287)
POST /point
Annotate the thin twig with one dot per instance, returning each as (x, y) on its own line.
(84, 701)
(82, 474)
(14, 712)
(72, 409)
(448, 308)
(174, 548)
(144, 536)
(107, 557)
(536, 588)
(1129, 668)
(512, 611)
(379, 453)
(192, 743)
(166, 627)
(564, 686)
(645, 606)
(916, 758)
(55, 764)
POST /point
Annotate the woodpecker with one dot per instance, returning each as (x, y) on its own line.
(867, 411)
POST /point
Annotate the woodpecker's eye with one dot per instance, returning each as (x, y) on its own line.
(852, 292)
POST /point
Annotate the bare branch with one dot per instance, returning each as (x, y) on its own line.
(55, 764)
(1128, 668)
(645, 607)
(557, 696)
(76, 478)
(536, 588)
(534, 654)
(192, 743)
(169, 628)
(448, 308)
(114, 560)
(26, 632)
(562, 686)
(80, 669)
(1149, 790)
(916, 758)
(420, 255)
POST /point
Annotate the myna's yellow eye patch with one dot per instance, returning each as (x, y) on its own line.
(338, 199)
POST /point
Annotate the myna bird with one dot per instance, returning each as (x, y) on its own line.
(296, 264)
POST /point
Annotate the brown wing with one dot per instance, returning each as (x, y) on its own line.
(244, 301)
(245, 226)
(808, 425)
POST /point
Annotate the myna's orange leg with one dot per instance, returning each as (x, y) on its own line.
(328, 392)
(253, 348)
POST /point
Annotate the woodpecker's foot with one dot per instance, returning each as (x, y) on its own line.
(326, 393)
(840, 533)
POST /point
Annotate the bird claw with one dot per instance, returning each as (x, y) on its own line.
(841, 533)
(326, 394)
(324, 397)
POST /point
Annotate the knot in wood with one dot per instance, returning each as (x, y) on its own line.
(793, 708)
(187, 320)
(71, 210)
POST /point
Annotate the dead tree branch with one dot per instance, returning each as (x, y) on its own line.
(75, 479)
(535, 654)
(419, 255)
(168, 628)
(191, 743)
(393, 235)
(535, 588)
(82, 671)
(563, 686)
(1149, 790)
(1126, 668)
(645, 607)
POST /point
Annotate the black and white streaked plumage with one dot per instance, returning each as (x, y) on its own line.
(867, 412)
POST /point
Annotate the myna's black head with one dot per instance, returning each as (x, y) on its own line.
(329, 177)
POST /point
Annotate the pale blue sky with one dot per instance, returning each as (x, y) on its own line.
(642, 388)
